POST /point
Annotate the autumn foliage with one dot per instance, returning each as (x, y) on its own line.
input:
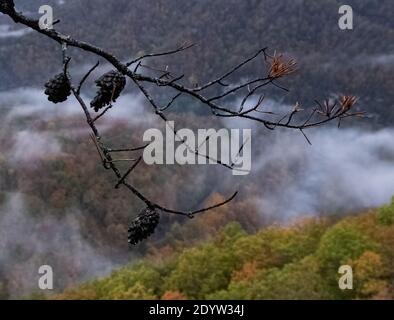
(278, 262)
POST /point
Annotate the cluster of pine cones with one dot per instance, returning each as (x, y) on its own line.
(143, 226)
(110, 85)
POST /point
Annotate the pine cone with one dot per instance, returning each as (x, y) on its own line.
(111, 85)
(58, 88)
(143, 226)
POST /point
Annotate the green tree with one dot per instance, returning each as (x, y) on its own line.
(299, 280)
(340, 245)
(206, 268)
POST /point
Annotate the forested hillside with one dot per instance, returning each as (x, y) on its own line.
(303, 209)
(57, 204)
(331, 61)
(300, 261)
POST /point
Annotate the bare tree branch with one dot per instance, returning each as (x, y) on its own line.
(86, 76)
(277, 68)
(183, 47)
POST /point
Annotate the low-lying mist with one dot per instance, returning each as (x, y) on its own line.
(343, 170)
(27, 242)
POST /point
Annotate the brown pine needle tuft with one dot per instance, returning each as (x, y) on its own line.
(280, 67)
(347, 102)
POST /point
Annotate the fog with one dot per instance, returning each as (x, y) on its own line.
(343, 170)
(6, 31)
(27, 242)
(30, 145)
(26, 102)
